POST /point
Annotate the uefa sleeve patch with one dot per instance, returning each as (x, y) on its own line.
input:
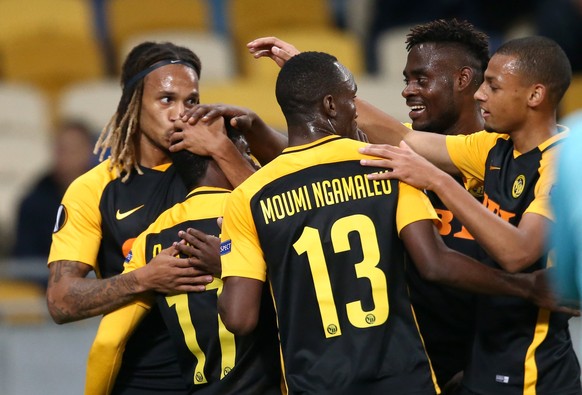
(61, 218)
(128, 257)
(225, 247)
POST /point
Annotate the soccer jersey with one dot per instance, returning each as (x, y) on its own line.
(328, 240)
(99, 218)
(213, 360)
(518, 347)
(445, 315)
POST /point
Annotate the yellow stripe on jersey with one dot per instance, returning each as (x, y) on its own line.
(531, 369)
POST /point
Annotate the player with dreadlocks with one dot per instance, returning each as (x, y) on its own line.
(106, 208)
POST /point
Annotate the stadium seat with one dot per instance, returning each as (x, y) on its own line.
(24, 144)
(49, 44)
(126, 18)
(215, 51)
(93, 102)
(63, 16)
(345, 46)
(250, 19)
(572, 100)
(385, 94)
(22, 303)
(259, 96)
(392, 54)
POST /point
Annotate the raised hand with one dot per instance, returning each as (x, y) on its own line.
(272, 47)
(202, 138)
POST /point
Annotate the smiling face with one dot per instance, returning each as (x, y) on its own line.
(168, 91)
(503, 95)
(430, 75)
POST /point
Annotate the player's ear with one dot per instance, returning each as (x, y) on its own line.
(537, 95)
(464, 78)
(329, 106)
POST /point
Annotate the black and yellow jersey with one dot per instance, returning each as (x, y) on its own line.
(213, 360)
(445, 315)
(99, 218)
(327, 239)
(518, 347)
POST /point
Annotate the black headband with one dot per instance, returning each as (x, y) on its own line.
(134, 80)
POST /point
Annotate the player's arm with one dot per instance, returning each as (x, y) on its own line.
(71, 296)
(106, 352)
(239, 304)
(265, 143)
(514, 248)
(209, 138)
(436, 262)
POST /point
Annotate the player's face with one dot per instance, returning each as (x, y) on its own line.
(429, 76)
(503, 95)
(168, 91)
(244, 149)
(346, 107)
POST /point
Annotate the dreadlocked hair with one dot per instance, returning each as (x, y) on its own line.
(452, 31)
(120, 135)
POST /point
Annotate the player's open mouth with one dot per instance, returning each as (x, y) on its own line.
(415, 111)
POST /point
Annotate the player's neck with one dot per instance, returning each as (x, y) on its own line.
(532, 134)
(151, 156)
(308, 132)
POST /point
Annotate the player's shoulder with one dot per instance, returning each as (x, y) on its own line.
(95, 179)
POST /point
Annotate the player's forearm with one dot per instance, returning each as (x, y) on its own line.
(465, 273)
(265, 142)
(380, 127)
(234, 166)
(504, 242)
(75, 298)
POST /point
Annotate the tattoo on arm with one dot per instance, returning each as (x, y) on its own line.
(71, 296)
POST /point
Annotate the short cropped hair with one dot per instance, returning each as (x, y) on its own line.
(541, 60)
(460, 34)
(305, 80)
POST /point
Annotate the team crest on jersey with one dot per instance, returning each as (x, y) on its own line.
(61, 218)
(225, 247)
(518, 186)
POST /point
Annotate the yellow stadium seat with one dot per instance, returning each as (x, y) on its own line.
(259, 96)
(51, 60)
(49, 43)
(61, 16)
(343, 45)
(215, 51)
(572, 100)
(126, 18)
(22, 302)
(249, 19)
